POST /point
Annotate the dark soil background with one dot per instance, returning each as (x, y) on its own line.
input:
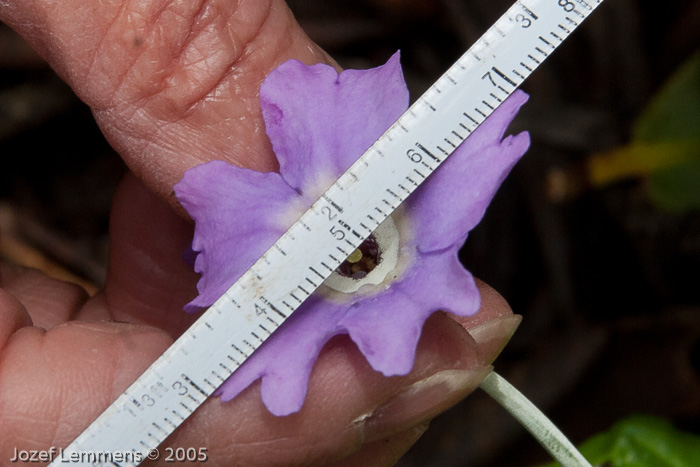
(607, 283)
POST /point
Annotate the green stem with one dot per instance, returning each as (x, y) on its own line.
(534, 421)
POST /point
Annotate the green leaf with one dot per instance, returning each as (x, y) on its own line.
(674, 113)
(676, 188)
(673, 116)
(641, 159)
(665, 146)
(642, 441)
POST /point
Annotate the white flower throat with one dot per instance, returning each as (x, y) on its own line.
(374, 262)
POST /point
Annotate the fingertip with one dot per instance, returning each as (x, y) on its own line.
(492, 326)
(492, 336)
(49, 301)
(13, 316)
(422, 401)
(493, 306)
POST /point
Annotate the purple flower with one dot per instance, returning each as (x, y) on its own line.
(319, 123)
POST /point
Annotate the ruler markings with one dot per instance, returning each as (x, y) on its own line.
(389, 190)
(470, 118)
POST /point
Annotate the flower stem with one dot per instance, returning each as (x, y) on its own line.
(548, 435)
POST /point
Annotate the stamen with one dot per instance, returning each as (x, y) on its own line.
(355, 256)
(364, 263)
(371, 263)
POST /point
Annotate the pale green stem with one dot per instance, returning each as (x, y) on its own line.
(534, 421)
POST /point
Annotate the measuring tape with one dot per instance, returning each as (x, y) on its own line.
(226, 334)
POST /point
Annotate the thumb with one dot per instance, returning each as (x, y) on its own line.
(172, 84)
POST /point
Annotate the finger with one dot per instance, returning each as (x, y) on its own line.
(147, 280)
(56, 302)
(54, 383)
(172, 84)
(494, 324)
(13, 316)
(383, 452)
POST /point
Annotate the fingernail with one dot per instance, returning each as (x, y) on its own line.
(420, 402)
(492, 336)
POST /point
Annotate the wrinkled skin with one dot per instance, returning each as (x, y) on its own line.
(172, 85)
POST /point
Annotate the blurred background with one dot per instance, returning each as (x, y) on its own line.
(594, 239)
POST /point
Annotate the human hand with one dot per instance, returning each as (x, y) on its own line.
(173, 85)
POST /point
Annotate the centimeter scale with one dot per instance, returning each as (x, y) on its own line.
(180, 380)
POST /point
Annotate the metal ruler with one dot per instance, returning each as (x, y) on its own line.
(180, 380)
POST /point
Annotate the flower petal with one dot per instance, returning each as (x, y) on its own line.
(387, 327)
(238, 214)
(320, 122)
(439, 281)
(285, 360)
(454, 199)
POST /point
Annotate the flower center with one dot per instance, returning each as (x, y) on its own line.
(371, 262)
(362, 261)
